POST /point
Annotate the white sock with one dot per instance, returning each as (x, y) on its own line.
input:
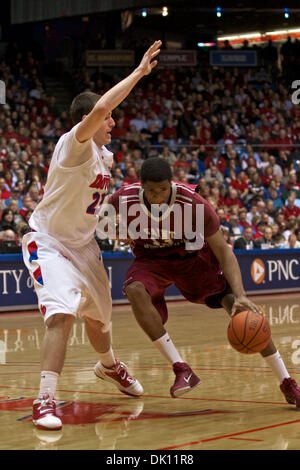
(108, 358)
(48, 383)
(166, 347)
(277, 365)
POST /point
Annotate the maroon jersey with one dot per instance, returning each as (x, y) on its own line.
(180, 218)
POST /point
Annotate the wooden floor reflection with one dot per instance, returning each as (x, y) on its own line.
(238, 405)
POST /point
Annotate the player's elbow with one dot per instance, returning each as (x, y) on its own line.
(102, 108)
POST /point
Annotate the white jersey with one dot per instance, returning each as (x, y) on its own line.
(69, 208)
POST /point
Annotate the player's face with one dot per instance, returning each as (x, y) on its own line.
(157, 193)
(103, 135)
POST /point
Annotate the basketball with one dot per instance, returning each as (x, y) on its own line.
(249, 332)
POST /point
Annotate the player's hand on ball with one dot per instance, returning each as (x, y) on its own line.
(243, 303)
(147, 64)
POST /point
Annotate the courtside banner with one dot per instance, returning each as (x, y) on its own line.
(263, 272)
(270, 271)
(173, 58)
(233, 58)
(110, 58)
(16, 286)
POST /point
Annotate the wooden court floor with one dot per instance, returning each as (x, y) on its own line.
(238, 406)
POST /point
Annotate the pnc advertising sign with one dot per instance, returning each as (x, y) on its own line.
(271, 270)
(258, 271)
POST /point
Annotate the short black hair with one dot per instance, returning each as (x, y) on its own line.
(83, 104)
(156, 169)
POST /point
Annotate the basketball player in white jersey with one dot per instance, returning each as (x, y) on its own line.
(61, 253)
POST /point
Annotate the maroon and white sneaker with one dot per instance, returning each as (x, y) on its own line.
(291, 391)
(119, 376)
(185, 379)
(43, 416)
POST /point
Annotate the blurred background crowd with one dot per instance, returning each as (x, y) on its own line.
(234, 134)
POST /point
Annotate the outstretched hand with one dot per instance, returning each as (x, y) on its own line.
(147, 63)
(243, 303)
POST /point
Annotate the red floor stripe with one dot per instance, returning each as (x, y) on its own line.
(229, 435)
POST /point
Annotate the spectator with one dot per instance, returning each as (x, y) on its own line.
(7, 221)
(256, 188)
(212, 173)
(270, 210)
(280, 241)
(258, 227)
(240, 184)
(235, 231)
(168, 155)
(290, 209)
(27, 205)
(292, 242)
(15, 195)
(4, 193)
(277, 201)
(222, 217)
(267, 241)
(277, 170)
(270, 57)
(251, 212)
(8, 235)
(290, 228)
(139, 122)
(246, 241)
(226, 234)
(8, 242)
(294, 195)
(233, 198)
(118, 178)
(216, 160)
(185, 128)
(131, 176)
(297, 233)
(242, 219)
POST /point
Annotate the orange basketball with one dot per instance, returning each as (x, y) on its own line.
(249, 332)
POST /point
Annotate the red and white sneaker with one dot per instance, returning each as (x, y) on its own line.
(291, 391)
(43, 416)
(119, 376)
(185, 379)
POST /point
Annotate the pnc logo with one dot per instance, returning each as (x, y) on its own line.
(258, 271)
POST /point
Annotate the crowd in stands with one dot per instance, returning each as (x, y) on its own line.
(234, 133)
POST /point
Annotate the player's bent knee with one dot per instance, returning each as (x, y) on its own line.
(136, 291)
(60, 320)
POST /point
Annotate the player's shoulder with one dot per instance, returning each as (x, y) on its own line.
(131, 189)
(184, 192)
(127, 191)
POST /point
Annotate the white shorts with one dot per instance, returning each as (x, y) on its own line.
(68, 281)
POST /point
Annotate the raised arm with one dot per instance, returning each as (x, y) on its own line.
(112, 98)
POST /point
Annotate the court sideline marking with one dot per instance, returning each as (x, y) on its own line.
(155, 396)
(226, 436)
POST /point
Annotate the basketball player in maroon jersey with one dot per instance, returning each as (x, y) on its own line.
(210, 275)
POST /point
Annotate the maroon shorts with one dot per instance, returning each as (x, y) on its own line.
(198, 278)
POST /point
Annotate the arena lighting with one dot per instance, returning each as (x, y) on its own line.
(286, 13)
(165, 11)
(239, 36)
(206, 44)
(257, 35)
(284, 31)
